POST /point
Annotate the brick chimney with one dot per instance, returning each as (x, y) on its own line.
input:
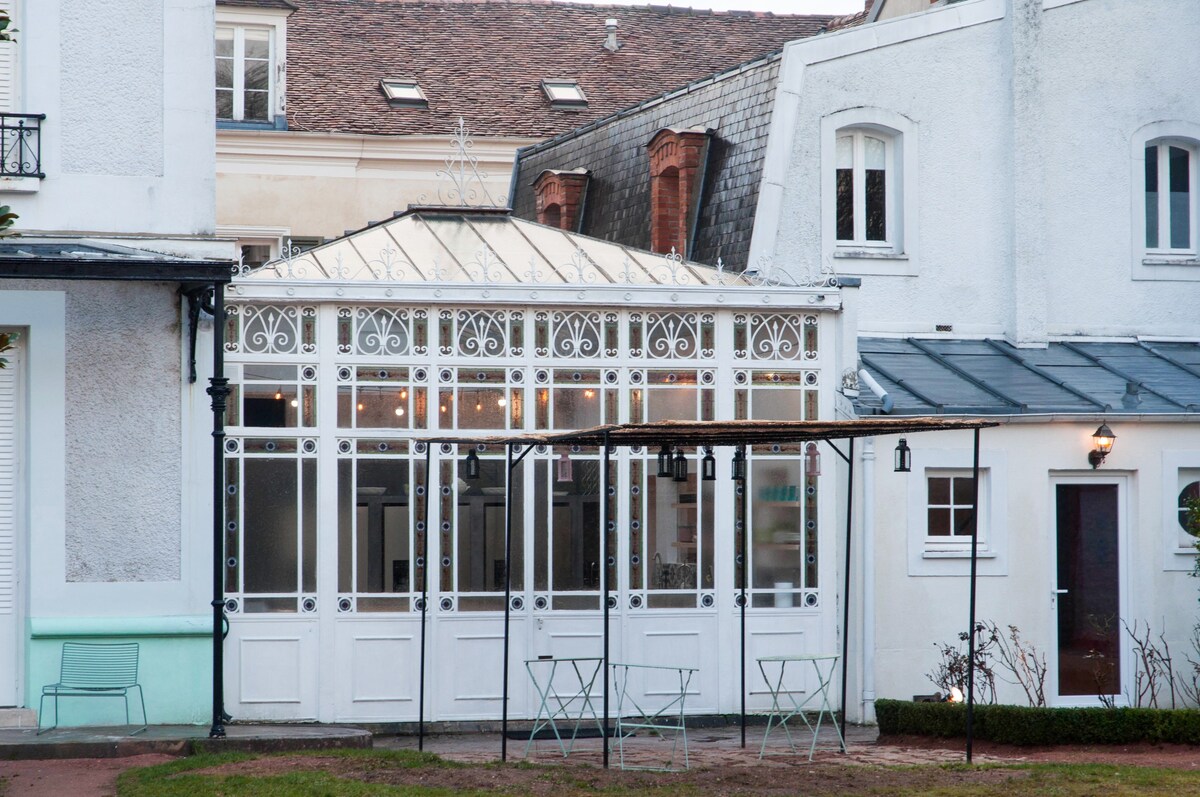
(560, 196)
(677, 160)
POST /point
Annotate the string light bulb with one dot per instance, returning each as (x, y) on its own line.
(279, 395)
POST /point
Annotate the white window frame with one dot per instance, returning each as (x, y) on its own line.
(942, 556)
(898, 254)
(1180, 467)
(275, 23)
(858, 190)
(1162, 262)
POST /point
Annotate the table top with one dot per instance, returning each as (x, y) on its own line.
(568, 658)
(804, 657)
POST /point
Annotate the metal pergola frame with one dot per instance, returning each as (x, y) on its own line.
(697, 434)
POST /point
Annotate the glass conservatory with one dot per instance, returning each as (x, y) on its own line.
(350, 360)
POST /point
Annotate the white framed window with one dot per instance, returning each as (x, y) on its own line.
(869, 213)
(1170, 187)
(1181, 482)
(864, 197)
(245, 73)
(402, 92)
(564, 94)
(950, 517)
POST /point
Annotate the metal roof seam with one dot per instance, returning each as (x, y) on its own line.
(903, 385)
(938, 358)
(1112, 369)
(1048, 377)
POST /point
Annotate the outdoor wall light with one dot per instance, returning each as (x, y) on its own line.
(680, 470)
(903, 457)
(812, 460)
(664, 462)
(472, 465)
(738, 469)
(708, 465)
(1103, 438)
(565, 470)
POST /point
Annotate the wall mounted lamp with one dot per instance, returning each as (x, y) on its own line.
(903, 457)
(1103, 437)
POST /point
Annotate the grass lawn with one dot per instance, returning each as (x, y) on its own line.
(358, 773)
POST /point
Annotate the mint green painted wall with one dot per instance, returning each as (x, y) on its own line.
(174, 668)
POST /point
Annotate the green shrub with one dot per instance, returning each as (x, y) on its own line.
(1023, 725)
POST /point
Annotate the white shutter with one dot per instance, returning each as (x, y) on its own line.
(8, 64)
(9, 498)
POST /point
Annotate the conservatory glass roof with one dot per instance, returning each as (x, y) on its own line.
(483, 246)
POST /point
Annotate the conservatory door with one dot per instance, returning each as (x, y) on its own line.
(1088, 591)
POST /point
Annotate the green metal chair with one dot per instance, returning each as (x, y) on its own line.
(91, 669)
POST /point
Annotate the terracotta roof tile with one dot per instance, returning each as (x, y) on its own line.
(484, 60)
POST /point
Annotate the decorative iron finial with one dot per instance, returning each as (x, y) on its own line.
(461, 182)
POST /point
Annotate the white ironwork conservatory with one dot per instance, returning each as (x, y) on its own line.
(347, 358)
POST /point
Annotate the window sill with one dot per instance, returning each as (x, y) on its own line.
(869, 254)
(20, 185)
(958, 554)
(873, 263)
(1186, 260)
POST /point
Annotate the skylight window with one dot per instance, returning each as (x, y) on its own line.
(403, 92)
(564, 93)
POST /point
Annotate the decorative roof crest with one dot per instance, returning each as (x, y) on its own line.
(461, 183)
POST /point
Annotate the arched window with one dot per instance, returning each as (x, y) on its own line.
(1170, 186)
(864, 201)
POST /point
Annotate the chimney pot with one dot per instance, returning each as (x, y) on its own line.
(610, 40)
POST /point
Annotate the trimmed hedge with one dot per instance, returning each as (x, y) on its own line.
(1023, 725)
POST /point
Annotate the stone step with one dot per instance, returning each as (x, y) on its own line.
(18, 718)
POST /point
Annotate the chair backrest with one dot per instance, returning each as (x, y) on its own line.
(91, 665)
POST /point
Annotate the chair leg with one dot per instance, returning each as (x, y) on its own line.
(41, 706)
(142, 700)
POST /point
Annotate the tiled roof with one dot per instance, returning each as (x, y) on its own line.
(484, 61)
(736, 105)
(979, 377)
(279, 4)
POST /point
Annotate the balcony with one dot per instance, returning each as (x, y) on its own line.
(21, 145)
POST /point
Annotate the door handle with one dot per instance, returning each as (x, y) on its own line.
(1058, 591)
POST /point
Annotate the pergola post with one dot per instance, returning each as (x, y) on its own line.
(971, 626)
(849, 457)
(744, 566)
(604, 582)
(508, 491)
(219, 391)
(424, 594)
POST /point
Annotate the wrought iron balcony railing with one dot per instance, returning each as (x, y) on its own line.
(21, 144)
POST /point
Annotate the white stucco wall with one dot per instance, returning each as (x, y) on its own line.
(1023, 184)
(127, 143)
(915, 612)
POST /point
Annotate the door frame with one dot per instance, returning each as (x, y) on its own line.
(17, 359)
(1121, 480)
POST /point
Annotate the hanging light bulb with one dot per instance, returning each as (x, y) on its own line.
(501, 402)
(360, 406)
(400, 412)
(295, 403)
(738, 469)
(664, 462)
(589, 393)
(479, 406)
(565, 470)
(279, 395)
(812, 460)
(708, 467)
(680, 468)
(403, 394)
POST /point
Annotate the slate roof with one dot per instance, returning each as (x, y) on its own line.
(989, 377)
(735, 104)
(484, 60)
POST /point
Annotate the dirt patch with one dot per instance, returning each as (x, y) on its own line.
(1165, 756)
(77, 777)
(554, 780)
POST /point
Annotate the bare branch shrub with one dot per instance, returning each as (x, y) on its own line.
(1026, 663)
(1153, 673)
(952, 669)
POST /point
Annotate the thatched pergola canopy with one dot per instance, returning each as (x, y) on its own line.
(726, 433)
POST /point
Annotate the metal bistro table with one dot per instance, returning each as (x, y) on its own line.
(573, 705)
(669, 717)
(823, 666)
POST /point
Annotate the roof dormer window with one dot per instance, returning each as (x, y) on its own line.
(564, 94)
(406, 93)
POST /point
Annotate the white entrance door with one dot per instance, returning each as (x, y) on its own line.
(10, 507)
(1089, 590)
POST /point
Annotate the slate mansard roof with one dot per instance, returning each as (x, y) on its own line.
(736, 105)
(988, 377)
(484, 60)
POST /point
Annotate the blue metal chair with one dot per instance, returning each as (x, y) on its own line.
(91, 669)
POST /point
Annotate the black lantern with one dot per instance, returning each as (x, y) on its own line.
(903, 457)
(708, 465)
(1103, 438)
(738, 471)
(664, 462)
(472, 465)
(680, 470)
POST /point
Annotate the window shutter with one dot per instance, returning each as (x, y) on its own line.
(8, 64)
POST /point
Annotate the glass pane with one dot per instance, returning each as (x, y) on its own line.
(671, 404)
(346, 508)
(379, 407)
(778, 405)
(269, 405)
(963, 490)
(1089, 621)
(874, 154)
(1152, 197)
(308, 469)
(1180, 176)
(258, 43)
(939, 522)
(255, 105)
(876, 187)
(258, 75)
(224, 104)
(224, 43)
(269, 493)
(576, 408)
(964, 521)
(777, 524)
(672, 528)
(939, 490)
(482, 408)
(575, 540)
(845, 204)
(481, 520)
(382, 536)
(845, 152)
(541, 525)
(224, 73)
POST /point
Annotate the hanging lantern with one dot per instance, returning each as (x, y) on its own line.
(738, 470)
(472, 464)
(812, 460)
(664, 462)
(903, 457)
(708, 466)
(565, 472)
(680, 469)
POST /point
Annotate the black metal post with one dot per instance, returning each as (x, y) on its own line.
(219, 391)
(605, 586)
(846, 588)
(424, 597)
(508, 495)
(971, 627)
(744, 485)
